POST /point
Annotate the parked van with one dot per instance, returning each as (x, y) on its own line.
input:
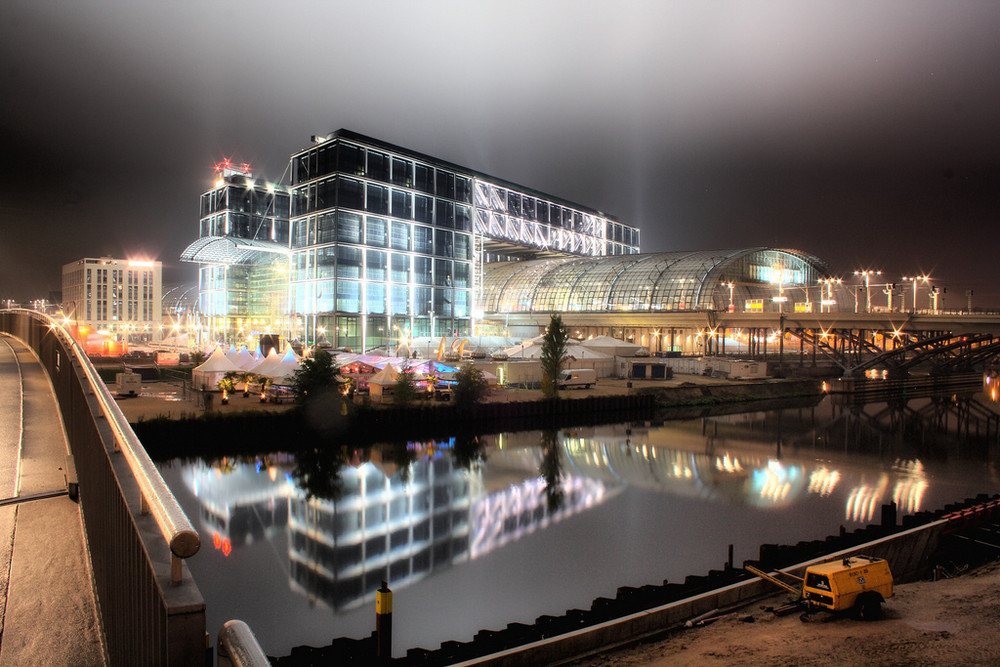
(577, 377)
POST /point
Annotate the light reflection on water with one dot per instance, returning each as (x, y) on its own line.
(508, 527)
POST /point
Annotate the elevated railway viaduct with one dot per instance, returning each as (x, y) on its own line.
(896, 342)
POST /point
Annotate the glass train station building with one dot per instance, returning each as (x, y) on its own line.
(372, 242)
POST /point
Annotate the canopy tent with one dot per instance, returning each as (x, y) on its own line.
(243, 358)
(573, 350)
(270, 361)
(613, 347)
(284, 370)
(583, 352)
(429, 367)
(232, 353)
(342, 359)
(207, 375)
(385, 378)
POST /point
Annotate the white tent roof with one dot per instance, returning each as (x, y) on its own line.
(535, 352)
(581, 352)
(345, 358)
(243, 358)
(218, 362)
(386, 376)
(612, 346)
(270, 361)
(285, 367)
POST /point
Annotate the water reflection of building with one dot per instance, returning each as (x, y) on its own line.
(700, 463)
(388, 523)
(239, 503)
(384, 527)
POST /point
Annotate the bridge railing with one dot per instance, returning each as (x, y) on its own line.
(151, 610)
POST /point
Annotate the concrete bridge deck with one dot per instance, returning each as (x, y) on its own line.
(48, 613)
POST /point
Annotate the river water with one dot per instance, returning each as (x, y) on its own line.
(474, 534)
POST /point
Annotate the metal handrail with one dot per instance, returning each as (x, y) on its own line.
(238, 647)
(156, 497)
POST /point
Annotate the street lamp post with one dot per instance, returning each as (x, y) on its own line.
(781, 298)
(916, 279)
(888, 291)
(867, 274)
(730, 285)
(829, 301)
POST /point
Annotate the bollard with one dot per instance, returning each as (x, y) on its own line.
(383, 622)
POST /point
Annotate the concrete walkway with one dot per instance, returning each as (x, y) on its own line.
(47, 610)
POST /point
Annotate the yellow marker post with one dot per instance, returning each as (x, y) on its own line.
(383, 621)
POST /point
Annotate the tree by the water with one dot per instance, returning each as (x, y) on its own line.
(470, 386)
(554, 344)
(404, 391)
(317, 376)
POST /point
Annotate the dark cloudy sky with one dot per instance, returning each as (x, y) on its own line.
(863, 132)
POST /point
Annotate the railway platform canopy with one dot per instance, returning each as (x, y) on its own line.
(746, 280)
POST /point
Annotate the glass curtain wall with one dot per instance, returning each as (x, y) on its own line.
(382, 247)
(755, 279)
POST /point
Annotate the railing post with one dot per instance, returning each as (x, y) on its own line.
(176, 569)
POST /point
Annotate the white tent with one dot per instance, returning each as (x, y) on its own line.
(270, 361)
(535, 352)
(384, 378)
(214, 369)
(232, 353)
(283, 371)
(583, 352)
(243, 358)
(613, 347)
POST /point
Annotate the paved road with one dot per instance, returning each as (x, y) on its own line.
(47, 610)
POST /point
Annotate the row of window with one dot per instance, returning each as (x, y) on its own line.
(347, 227)
(243, 226)
(351, 296)
(347, 330)
(350, 193)
(118, 276)
(353, 262)
(347, 158)
(244, 199)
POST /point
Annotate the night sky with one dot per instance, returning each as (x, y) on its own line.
(862, 132)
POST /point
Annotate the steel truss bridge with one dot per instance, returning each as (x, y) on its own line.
(896, 342)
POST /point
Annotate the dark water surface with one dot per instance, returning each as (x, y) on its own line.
(474, 535)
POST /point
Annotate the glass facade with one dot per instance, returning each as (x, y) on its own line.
(242, 248)
(756, 279)
(412, 234)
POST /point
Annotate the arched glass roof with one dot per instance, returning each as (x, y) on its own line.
(229, 250)
(653, 282)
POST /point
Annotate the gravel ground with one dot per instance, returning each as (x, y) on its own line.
(954, 621)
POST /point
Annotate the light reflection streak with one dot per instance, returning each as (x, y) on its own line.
(864, 498)
(823, 481)
(519, 510)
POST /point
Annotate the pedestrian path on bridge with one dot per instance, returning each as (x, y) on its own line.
(48, 613)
